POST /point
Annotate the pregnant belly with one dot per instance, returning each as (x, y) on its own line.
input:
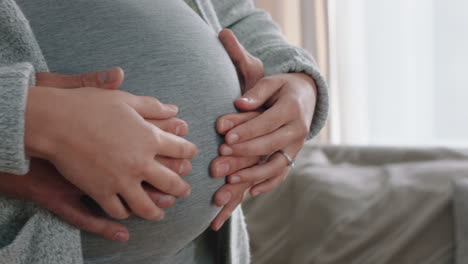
(168, 52)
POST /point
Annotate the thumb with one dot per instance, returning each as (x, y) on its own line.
(106, 79)
(263, 94)
(250, 69)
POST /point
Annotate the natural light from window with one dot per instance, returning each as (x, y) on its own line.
(399, 72)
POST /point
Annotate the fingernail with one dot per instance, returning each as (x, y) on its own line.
(164, 198)
(179, 130)
(226, 125)
(172, 107)
(226, 150)
(222, 169)
(255, 193)
(181, 168)
(107, 77)
(246, 99)
(225, 198)
(234, 179)
(120, 236)
(187, 193)
(233, 138)
(158, 216)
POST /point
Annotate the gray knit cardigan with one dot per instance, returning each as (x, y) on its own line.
(30, 234)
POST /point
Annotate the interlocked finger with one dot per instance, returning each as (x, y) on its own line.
(270, 184)
(264, 124)
(276, 179)
(179, 166)
(114, 207)
(151, 108)
(225, 165)
(226, 122)
(234, 202)
(173, 125)
(166, 180)
(230, 191)
(172, 146)
(264, 145)
(161, 199)
(141, 204)
(260, 172)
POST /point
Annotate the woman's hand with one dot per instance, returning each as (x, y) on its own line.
(106, 79)
(43, 184)
(289, 100)
(100, 141)
(285, 104)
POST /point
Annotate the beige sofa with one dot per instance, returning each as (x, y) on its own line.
(360, 205)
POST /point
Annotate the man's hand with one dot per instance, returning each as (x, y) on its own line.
(44, 186)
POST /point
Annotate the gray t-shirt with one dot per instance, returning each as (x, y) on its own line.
(167, 51)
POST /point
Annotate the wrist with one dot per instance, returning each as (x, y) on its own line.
(39, 121)
(309, 81)
(309, 95)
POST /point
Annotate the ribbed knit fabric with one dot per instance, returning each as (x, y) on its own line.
(19, 57)
(14, 80)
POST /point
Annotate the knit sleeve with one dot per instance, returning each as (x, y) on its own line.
(262, 37)
(15, 80)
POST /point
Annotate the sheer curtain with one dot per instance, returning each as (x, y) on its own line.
(396, 68)
(287, 15)
(398, 72)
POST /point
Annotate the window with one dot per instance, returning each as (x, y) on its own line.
(396, 68)
(398, 71)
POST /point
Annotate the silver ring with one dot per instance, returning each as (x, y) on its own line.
(291, 162)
